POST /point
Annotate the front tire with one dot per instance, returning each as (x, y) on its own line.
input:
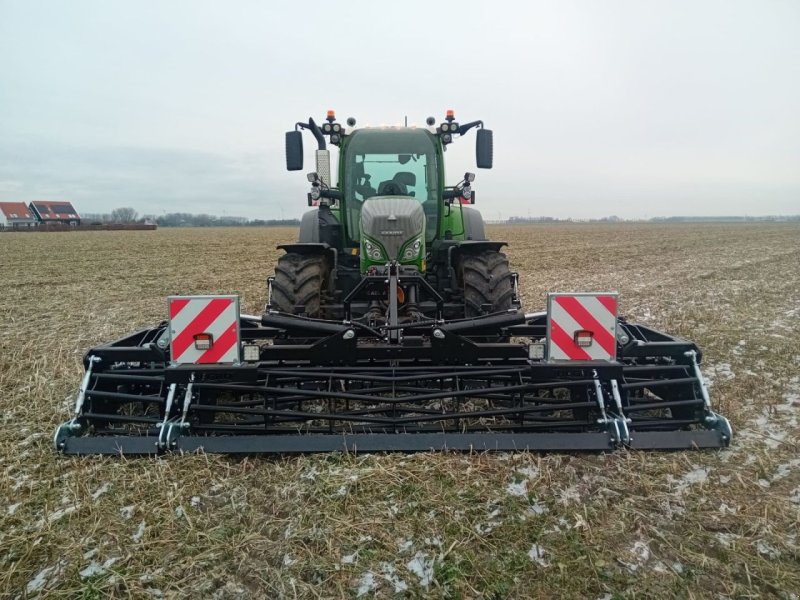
(299, 281)
(487, 283)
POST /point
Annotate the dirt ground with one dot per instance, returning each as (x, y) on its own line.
(713, 524)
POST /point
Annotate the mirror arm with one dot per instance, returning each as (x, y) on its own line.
(467, 126)
(331, 194)
(314, 129)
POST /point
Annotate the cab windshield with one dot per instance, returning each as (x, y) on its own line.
(390, 162)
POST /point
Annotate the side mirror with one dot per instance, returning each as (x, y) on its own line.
(484, 149)
(294, 151)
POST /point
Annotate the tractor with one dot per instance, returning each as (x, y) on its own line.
(392, 324)
(391, 211)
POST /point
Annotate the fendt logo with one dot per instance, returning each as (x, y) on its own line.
(392, 232)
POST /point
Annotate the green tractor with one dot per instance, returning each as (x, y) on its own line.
(391, 210)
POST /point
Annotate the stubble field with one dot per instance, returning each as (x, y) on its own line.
(713, 524)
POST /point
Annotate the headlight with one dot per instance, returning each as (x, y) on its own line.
(373, 251)
(412, 250)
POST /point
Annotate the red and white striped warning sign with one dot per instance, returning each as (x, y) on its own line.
(582, 326)
(204, 329)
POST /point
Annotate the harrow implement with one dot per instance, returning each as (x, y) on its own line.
(295, 385)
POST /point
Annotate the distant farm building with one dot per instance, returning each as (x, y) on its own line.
(62, 213)
(16, 215)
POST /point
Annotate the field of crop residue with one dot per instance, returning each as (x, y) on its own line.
(714, 524)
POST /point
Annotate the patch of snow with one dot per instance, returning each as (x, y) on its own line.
(537, 509)
(432, 541)
(695, 476)
(529, 472)
(724, 479)
(127, 511)
(179, 512)
(660, 567)
(12, 508)
(137, 537)
(390, 573)
(422, 567)
(311, 474)
(367, 584)
(195, 501)
(719, 371)
(154, 592)
(40, 579)
(640, 554)
(726, 510)
(288, 531)
(288, 561)
(404, 546)
(59, 514)
(517, 489)
(20, 481)
(148, 577)
(342, 491)
(728, 540)
(786, 469)
(766, 549)
(677, 567)
(100, 491)
(537, 554)
(349, 559)
(95, 568)
(794, 495)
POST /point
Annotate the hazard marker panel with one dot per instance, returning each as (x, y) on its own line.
(582, 326)
(204, 329)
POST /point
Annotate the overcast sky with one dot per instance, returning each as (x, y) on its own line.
(632, 108)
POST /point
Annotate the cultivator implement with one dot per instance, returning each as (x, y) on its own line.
(303, 385)
(392, 324)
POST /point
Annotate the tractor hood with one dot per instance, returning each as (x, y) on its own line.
(392, 221)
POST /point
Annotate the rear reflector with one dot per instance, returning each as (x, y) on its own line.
(203, 341)
(583, 338)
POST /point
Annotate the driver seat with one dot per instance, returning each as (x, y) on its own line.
(398, 185)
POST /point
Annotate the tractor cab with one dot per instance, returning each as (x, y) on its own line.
(397, 163)
(390, 202)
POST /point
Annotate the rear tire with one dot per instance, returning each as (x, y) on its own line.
(299, 280)
(487, 280)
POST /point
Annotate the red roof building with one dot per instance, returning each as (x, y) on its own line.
(14, 215)
(55, 212)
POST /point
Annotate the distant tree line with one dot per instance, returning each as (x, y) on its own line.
(129, 215)
(677, 219)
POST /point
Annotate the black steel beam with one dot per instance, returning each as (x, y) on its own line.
(677, 440)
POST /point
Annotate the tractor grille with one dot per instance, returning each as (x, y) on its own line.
(392, 221)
